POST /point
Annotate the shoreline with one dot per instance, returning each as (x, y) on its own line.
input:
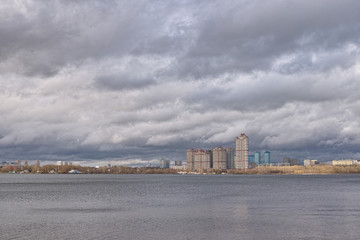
(261, 170)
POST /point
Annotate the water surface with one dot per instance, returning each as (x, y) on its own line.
(179, 207)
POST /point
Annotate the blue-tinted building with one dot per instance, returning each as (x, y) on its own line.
(251, 159)
(164, 163)
(257, 157)
(267, 157)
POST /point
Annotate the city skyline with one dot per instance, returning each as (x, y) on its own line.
(131, 82)
(220, 158)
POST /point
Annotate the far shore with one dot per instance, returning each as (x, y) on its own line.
(260, 170)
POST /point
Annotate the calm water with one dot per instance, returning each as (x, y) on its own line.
(179, 207)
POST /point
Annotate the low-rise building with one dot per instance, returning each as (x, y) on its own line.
(310, 162)
(179, 167)
(345, 162)
(291, 161)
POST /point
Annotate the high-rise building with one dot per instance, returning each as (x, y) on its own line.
(257, 157)
(164, 163)
(251, 159)
(178, 163)
(267, 157)
(190, 158)
(242, 152)
(202, 160)
(219, 158)
(230, 158)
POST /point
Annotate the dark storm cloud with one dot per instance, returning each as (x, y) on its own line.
(119, 80)
(249, 37)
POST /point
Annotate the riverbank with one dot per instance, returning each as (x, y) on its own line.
(300, 170)
(261, 170)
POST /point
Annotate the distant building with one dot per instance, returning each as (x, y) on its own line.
(267, 157)
(202, 160)
(37, 163)
(63, 163)
(219, 155)
(230, 158)
(26, 163)
(164, 163)
(178, 163)
(309, 162)
(345, 162)
(242, 152)
(257, 157)
(5, 163)
(190, 158)
(179, 167)
(282, 164)
(291, 161)
(251, 159)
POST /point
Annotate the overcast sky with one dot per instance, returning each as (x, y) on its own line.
(134, 81)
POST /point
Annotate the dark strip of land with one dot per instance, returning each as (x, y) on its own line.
(260, 170)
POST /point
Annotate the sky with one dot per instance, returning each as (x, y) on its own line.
(130, 82)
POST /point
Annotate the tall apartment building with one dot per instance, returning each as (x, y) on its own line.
(230, 158)
(202, 160)
(219, 158)
(190, 159)
(257, 157)
(242, 152)
(164, 163)
(267, 157)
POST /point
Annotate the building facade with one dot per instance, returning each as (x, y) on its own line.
(309, 162)
(345, 162)
(242, 152)
(178, 163)
(164, 163)
(267, 157)
(291, 161)
(257, 158)
(190, 159)
(219, 155)
(251, 159)
(230, 158)
(202, 160)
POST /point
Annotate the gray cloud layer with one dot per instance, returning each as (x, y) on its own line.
(120, 80)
